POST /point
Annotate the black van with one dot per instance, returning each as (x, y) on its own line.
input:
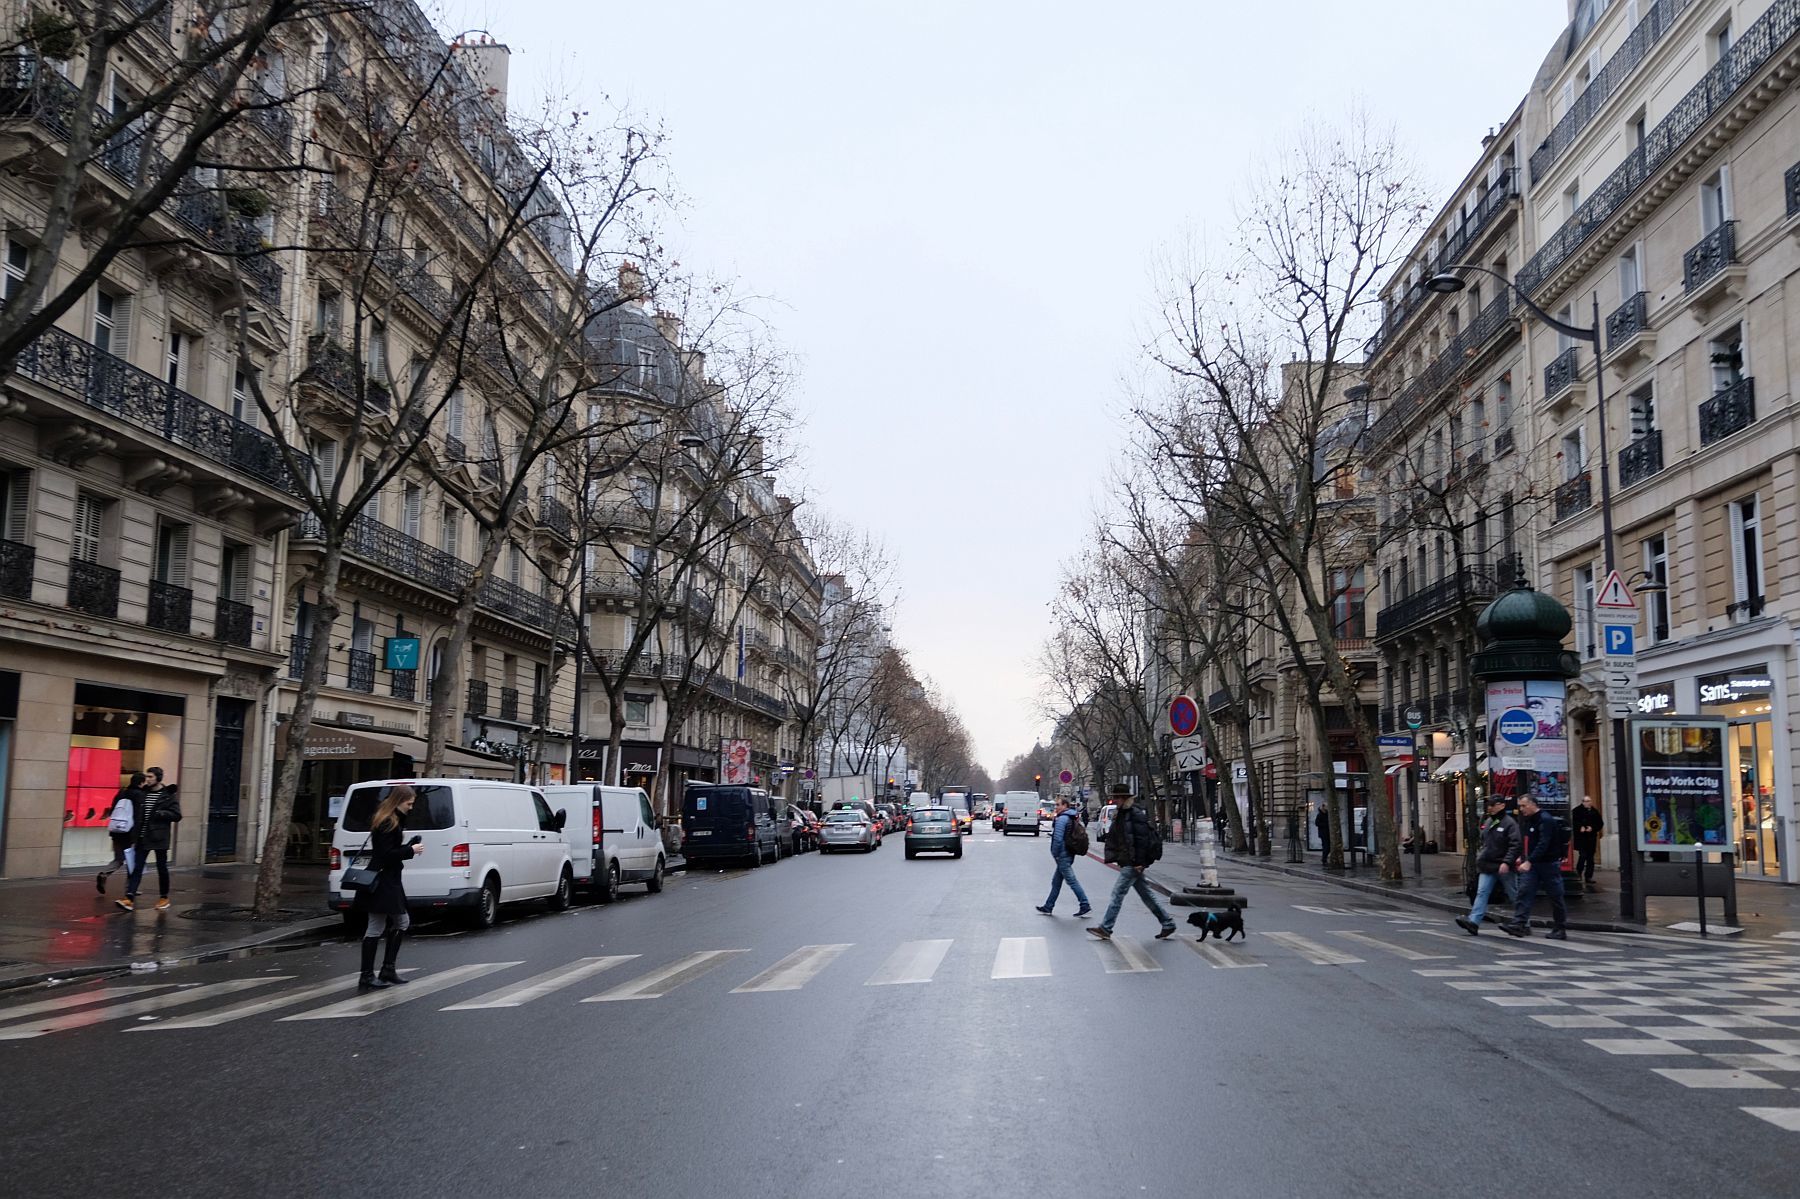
(723, 820)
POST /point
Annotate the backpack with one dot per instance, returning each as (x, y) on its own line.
(124, 816)
(1153, 852)
(1075, 838)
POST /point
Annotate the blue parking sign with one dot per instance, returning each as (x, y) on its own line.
(1620, 640)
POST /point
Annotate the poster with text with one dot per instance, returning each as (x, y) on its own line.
(1678, 769)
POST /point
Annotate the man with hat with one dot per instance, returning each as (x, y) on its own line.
(1499, 848)
(1132, 844)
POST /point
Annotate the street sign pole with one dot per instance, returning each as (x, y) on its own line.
(1415, 718)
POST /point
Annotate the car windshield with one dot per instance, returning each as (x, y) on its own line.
(845, 816)
(931, 814)
(961, 812)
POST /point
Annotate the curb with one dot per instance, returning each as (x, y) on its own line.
(293, 932)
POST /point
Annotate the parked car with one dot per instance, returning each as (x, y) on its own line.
(800, 832)
(725, 821)
(848, 828)
(934, 830)
(482, 844)
(889, 816)
(614, 837)
(965, 823)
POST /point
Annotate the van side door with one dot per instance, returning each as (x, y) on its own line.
(649, 837)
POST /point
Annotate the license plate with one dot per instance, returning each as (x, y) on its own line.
(701, 833)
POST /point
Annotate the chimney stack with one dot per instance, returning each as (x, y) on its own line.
(631, 283)
(487, 62)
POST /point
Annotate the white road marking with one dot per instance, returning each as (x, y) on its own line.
(913, 962)
(136, 1007)
(1638, 1047)
(660, 982)
(1221, 958)
(1492, 944)
(253, 1007)
(1312, 951)
(1125, 955)
(538, 986)
(1022, 957)
(69, 1000)
(793, 971)
(1780, 1117)
(1411, 955)
(1714, 1080)
(418, 988)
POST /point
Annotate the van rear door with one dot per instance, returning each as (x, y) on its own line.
(581, 830)
(714, 819)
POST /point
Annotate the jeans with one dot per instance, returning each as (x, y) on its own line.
(1484, 890)
(1065, 872)
(1550, 879)
(1131, 878)
(137, 869)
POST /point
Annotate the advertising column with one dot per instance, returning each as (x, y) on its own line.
(1528, 743)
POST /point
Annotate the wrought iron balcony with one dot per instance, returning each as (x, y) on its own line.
(623, 514)
(454, 449)
(510, 599)
(1764, 38)
(1503, 442)
(1562, 372)
(93, 588)
(360, 676)
(1791, 182)
(540, 709)
(1449, 596)
(1716, 251)
(1449, 365)
(298, 648)
(1728, 412)
(171, 607)
(1574, 497)
(109, 384)
(16, 564)
(233, 622)
(554, 515)
(1641, 459)
(403, 684)
(478, 699)
(1627, 321)
(383, 545)
(509, 703)
(611, 584)
(332, 366)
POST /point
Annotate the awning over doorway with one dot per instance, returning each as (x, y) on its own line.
(1456, 764)
(1399, 765)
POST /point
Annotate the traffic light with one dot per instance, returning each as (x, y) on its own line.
(1038, 779)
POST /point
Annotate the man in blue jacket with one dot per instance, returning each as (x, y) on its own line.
(1065, 861)
(1544, 840)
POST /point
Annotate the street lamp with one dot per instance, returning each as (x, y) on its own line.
(1448, 281)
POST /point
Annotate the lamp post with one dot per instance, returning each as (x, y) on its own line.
(1449, 281)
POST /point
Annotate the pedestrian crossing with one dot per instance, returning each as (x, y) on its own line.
(1598, 990)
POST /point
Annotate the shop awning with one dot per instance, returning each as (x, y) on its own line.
(1456, 764)
(1399, 765)
(334, 744)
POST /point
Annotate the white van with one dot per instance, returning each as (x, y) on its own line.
(482, 844)
(614, 837)
(919, 799)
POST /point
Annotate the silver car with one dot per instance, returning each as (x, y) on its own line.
(848, 828)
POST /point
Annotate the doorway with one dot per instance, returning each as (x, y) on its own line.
(225, 795)
(1751, 764)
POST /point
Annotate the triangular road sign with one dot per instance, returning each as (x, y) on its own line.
(1614, 594)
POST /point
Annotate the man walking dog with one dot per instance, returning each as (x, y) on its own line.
(1063, 854)
(1133, 845)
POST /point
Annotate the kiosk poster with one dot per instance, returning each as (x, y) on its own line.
(1678, 767)
(1528, 747)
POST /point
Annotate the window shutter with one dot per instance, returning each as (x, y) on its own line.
(378, 354)
(85, 543)
(415, 507)
(1740, 577)
(17, 516)
(173, 568)
(121, 327)
(453, 419)
(325, 455)
(237, 573)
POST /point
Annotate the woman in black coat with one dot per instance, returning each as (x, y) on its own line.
(385, 902)
(157, 815)
(133, 792)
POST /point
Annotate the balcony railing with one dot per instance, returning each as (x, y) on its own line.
(360, 676)
(1606, 82)
(478, 699)
(233, 622)
(403, 684)
(1627, 321)
(611, 584)
(1641, 459)
(1448, 596)
(93, 588)
(510, 599)
(171, 607)
(1562, 372)
(1728, 412)
(509, 703)
(1503, 442)
(331, 365)
(540, 709)
(1445, 368)
(1791, 182)
(298, 648)
(1714, 252)
(111, 385)
(554, 515)
(1766, 36)
(386, 546)
(17, 562)
(1456, 243)
(1575, 496)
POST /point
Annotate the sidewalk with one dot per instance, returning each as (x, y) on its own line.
(1765, 910)
(57, 928)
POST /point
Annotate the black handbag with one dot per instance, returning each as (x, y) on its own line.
(359, 878)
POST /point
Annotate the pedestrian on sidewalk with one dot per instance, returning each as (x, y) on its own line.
(1587, 824)
(1543, 841)
(385, 902)
(1132, 844)
(122, 825)
(155, 831)
(1322, 822)
(1499, 848)
(1063, 855)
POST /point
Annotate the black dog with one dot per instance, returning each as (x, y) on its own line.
(1223, 925)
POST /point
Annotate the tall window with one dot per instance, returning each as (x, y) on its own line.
(172, 554)
(1715, 201)
(183, 349)
(1637, 129)
(1584, 611)
(18, 262)
(1720, 41)
(234, 572)
(1725, 354)
(15, 504)
(1631, 275)
(324, 457)
(453, 414)
(412, 509)
(1746, 559)
(1656, 574)
(1503, 401)
(1642, 406)
(112, 323)
(1574, 453)
(515, 566)
(328, 312)
(243, 402)
(451, 527)
(86, 536)
(1565, 314)
(1347, 604)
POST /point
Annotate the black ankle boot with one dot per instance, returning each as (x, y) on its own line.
(388, 974)
(368, 980)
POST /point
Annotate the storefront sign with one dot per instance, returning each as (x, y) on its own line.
(1678, 769)
(1658, 699)
(734, 761)
(403, 653)
(1736, 687)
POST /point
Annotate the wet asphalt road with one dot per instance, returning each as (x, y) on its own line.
(858, 1025)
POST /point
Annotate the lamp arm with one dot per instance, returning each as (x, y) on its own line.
(1576, 331)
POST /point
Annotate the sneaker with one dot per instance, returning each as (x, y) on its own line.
(1046, 911)
(126, 903)
(1468, 926)
(1557, 934)
(1102, 933)
(1166, 933)
(1084, 912)
(162, 905)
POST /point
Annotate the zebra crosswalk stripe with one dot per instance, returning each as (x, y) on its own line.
(1312, 951)
(417, 988)
(793, 971)
(1022, 957)
(1123, 955)
(63, 1003)
(136, 1007)
(1411, 955)
(1495, 944)
(1221, 958)
(538, 986)
(913, 962)
(658, 983)
(252, 1007)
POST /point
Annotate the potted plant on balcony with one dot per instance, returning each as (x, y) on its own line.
(53, 35)
(248, 202)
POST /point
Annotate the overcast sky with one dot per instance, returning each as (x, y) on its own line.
(958, 206)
